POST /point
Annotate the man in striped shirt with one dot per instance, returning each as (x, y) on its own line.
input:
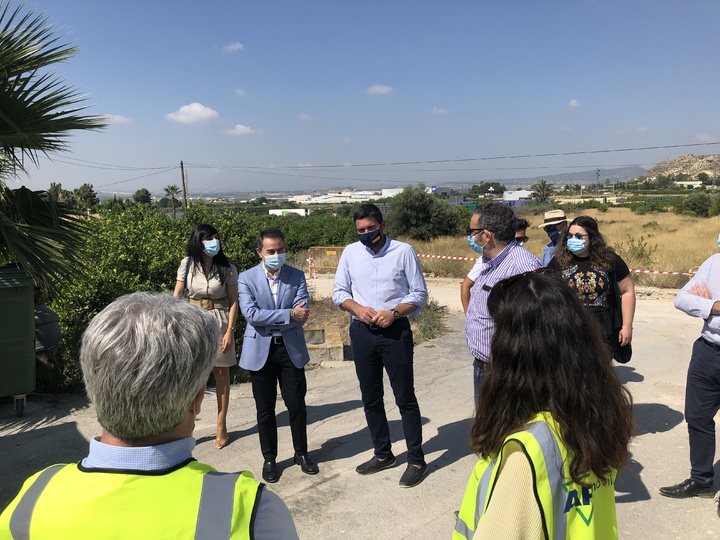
(492, 235)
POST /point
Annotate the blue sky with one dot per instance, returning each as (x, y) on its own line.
(277, 95)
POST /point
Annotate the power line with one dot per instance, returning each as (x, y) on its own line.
(138, 177)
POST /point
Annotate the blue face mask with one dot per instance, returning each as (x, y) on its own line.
(211, 247)
(474, 245)
(553, 233)
(718, 241)
(369, 239)
(576, 245)
(274, 262)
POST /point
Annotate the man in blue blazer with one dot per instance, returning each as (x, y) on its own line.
(273, 298)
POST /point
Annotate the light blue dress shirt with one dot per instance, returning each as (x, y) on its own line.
(380, 280)
(697, 306)
(272, 521)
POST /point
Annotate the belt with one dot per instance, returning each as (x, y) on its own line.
(277, 340)
(376, 327)
(713, 345)
(209, 303)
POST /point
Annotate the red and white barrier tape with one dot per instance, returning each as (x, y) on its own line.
(633, 270)
(637, 271)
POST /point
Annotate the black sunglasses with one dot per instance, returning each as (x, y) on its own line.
(473, 232)
(522, 239)
(579, 236)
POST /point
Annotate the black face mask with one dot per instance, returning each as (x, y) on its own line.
(370, 239)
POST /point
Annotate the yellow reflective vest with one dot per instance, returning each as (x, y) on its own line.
(190, 501)
(567, 510)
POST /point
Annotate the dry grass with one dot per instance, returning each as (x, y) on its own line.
(662, 241)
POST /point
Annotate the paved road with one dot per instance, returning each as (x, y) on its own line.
(338, 503)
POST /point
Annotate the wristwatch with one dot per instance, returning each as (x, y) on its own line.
(396, 313)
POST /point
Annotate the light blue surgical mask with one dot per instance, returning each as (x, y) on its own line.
(576, 245)
(211, 247)
(474, 245)
(274, 262)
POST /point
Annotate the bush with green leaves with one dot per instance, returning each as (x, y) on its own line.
(423, 216)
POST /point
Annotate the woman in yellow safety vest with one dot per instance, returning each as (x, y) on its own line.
(552, 422)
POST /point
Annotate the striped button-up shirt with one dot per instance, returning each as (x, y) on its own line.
(479, 326)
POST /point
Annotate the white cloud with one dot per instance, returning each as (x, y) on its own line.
(232, 47)
(239, 92)
(439, 111)
(379, 90)
(573, 104)
(304, 117)
(304, 165)
(565, 129)
(704, 137)
(239, 129)
(631, 130)
(117, 119)
(194, 113)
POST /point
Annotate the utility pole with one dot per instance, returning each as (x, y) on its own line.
(184, 184)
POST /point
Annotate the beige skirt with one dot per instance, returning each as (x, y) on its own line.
(228, 359)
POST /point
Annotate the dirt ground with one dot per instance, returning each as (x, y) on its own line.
(337, 503)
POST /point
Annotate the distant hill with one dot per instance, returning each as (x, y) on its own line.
(621, 174)
(690, 164)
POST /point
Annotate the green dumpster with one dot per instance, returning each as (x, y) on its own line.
(17, 335)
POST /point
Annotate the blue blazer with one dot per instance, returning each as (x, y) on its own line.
(264, 319)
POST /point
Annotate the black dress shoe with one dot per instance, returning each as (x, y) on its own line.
(307, 465)
(375, 465)
(688, 488)
(270, 472)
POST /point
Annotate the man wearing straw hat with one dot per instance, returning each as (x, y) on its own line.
(555, 226)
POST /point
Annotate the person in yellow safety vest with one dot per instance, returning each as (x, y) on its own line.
(552, 423)
(145, 360)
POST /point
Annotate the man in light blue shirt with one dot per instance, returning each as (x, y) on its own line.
(555, 226)
(700, 297)
(380, 282)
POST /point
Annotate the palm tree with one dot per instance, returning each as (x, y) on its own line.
(37, 114)
(171, 191)
(541, 191)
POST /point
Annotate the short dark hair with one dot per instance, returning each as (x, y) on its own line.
(548, 353)
(368, 211)
(498, 219)
(270, 232)
(522, 223)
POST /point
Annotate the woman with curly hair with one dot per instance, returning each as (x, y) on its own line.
(553, 422)
(209, 280)
(601, 279)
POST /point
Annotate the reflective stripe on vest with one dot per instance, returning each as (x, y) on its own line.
(214, 518)
(554, 467)
(20, 519)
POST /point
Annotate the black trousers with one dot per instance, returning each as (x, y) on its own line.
(293, 387)
(702, 401)
(392, 349)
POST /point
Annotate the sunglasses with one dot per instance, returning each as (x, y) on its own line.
(473, 232)
(579, 236)
(522, 240)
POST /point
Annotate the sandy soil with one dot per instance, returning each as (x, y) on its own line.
(338, 503)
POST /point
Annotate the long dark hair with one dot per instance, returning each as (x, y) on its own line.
(202, 232)
(601, 255)
(548, 354)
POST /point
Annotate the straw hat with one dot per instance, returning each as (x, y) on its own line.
(553, 217)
